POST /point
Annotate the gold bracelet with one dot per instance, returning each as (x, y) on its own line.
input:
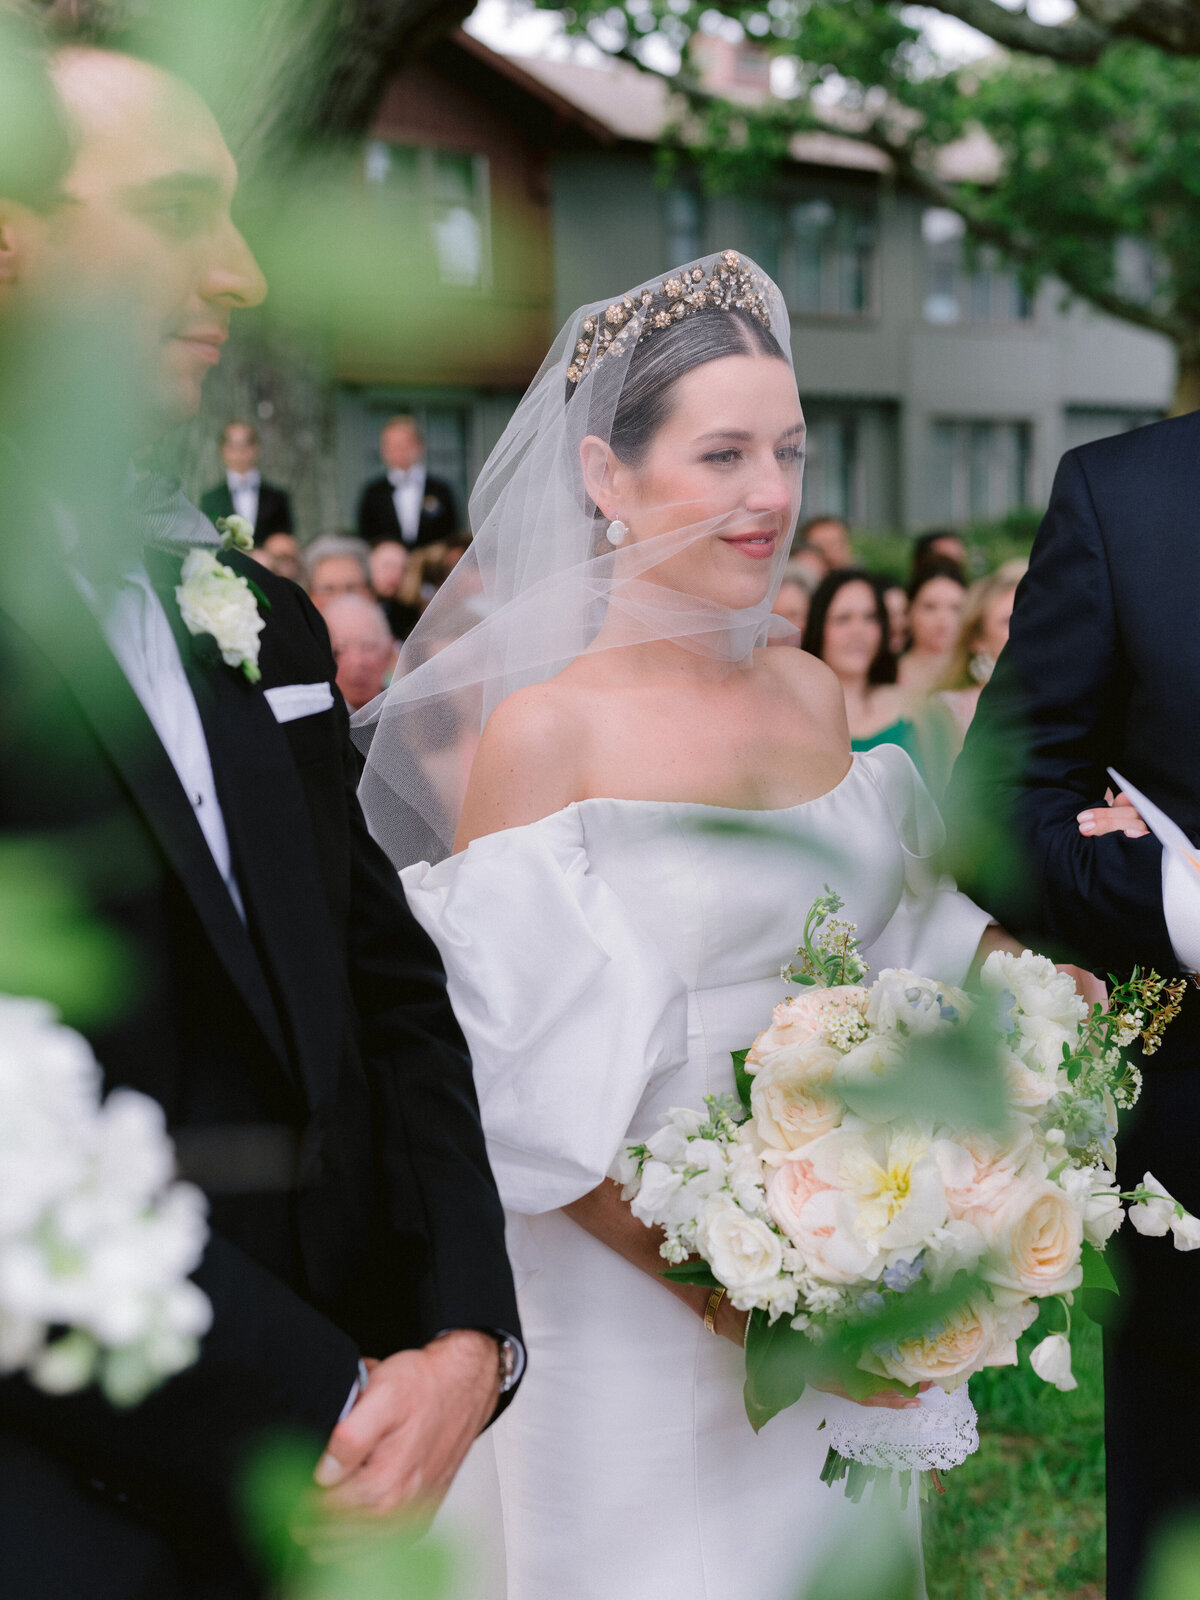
(710, 1313)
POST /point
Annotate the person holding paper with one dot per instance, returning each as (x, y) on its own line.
(1102, 671)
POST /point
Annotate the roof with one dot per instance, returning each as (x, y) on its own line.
(616, 101)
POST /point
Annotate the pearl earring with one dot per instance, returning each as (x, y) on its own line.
(617, 533)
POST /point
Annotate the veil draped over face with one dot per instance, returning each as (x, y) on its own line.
(541, 579)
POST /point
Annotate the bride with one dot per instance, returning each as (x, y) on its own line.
(608, 936)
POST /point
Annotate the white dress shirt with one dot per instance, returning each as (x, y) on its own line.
(1181, 907)
(140, 637)
(243, 488)
(408, 496)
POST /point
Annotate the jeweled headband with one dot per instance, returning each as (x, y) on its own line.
(727, 286)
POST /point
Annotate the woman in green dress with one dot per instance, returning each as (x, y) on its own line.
(848, 629)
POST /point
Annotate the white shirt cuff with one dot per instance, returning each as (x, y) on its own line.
(1181, 907)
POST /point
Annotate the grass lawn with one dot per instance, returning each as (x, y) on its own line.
(1023, 1519)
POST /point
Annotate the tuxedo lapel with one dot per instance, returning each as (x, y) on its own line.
(76, 647)
(267, 820)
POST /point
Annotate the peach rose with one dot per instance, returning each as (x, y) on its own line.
(803, 1017)
(982, 1180)
(1034, 1236)
(793, 1100)
(789, 1189)
(973, 1336)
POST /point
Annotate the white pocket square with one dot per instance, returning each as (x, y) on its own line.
(291, 700)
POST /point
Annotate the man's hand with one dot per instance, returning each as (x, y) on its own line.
(408, 1434)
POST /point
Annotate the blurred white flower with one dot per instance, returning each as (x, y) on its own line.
(1154, 1215)
(1051, 1360)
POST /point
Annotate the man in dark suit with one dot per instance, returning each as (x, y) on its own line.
(1102, 669)
(287, 1011)
(266, 508)
(406, 503)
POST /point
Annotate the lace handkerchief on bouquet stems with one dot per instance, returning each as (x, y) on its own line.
(907, 1173)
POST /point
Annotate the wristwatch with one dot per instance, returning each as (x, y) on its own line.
(509, 1372)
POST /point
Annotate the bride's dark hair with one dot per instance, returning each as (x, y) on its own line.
(659, 361)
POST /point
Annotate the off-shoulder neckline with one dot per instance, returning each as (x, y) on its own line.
(704, 805)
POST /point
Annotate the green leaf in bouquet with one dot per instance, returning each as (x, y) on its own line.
(778, 1361)
(741, 1077)
(696, 1272)
(1097, 1274)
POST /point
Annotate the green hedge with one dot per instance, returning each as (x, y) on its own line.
(990, 544)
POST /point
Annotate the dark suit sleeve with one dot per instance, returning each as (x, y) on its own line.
(421, 1073)
(269, 1363)
(1048, 726)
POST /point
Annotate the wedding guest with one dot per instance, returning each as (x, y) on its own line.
(406, 502)
(389, 567)
(939, 544)
(363, 647)
(336, 565)
(895, 601)
(283, 556)
(848, 630)
(935, 604)
(809, 564)
(792, 602)
(831, 537)
(266, 507)
(982, 635)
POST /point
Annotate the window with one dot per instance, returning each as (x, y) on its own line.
(985, 291)
(683, 219)
(831, 467)
(979, 470)
(449, 191)
(819, 250)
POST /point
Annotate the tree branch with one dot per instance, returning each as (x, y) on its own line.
(1080, 41)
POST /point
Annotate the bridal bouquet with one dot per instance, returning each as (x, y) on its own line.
(96, 1240)
(906, 1172)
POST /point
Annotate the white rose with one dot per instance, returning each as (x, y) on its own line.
(792, 1098)
(1029, 1088)
(744, 1253)
(1051, 1360)
(1034, 1239)
(214, 599)
(1039, 1042)
(1094, 1191)
(1037, 987)
(906, 1003)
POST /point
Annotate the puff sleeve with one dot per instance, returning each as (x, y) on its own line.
(572, 1015)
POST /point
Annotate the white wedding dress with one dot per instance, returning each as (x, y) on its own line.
(604, 962)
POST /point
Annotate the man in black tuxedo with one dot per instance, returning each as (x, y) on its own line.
(406, 503)
(286, 1009)
(267, 508)
(1102, 669)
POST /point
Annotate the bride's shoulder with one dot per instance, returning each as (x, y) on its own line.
(528, 761)
(803, 676)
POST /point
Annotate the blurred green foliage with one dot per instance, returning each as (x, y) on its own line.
(315, 1555)
(989, 545)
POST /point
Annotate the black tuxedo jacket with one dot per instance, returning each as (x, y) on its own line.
(274, 508)
(1102, 668)
(312, 1072)
(377, 519)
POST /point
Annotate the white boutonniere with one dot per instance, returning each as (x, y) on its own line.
(214, 599)
(236, 533)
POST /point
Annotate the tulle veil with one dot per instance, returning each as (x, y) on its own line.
(541, 577)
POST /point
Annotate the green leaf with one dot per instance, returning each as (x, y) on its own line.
(1096, 1271)
(694, 1272)
(741, 1077)
(777, 1363)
